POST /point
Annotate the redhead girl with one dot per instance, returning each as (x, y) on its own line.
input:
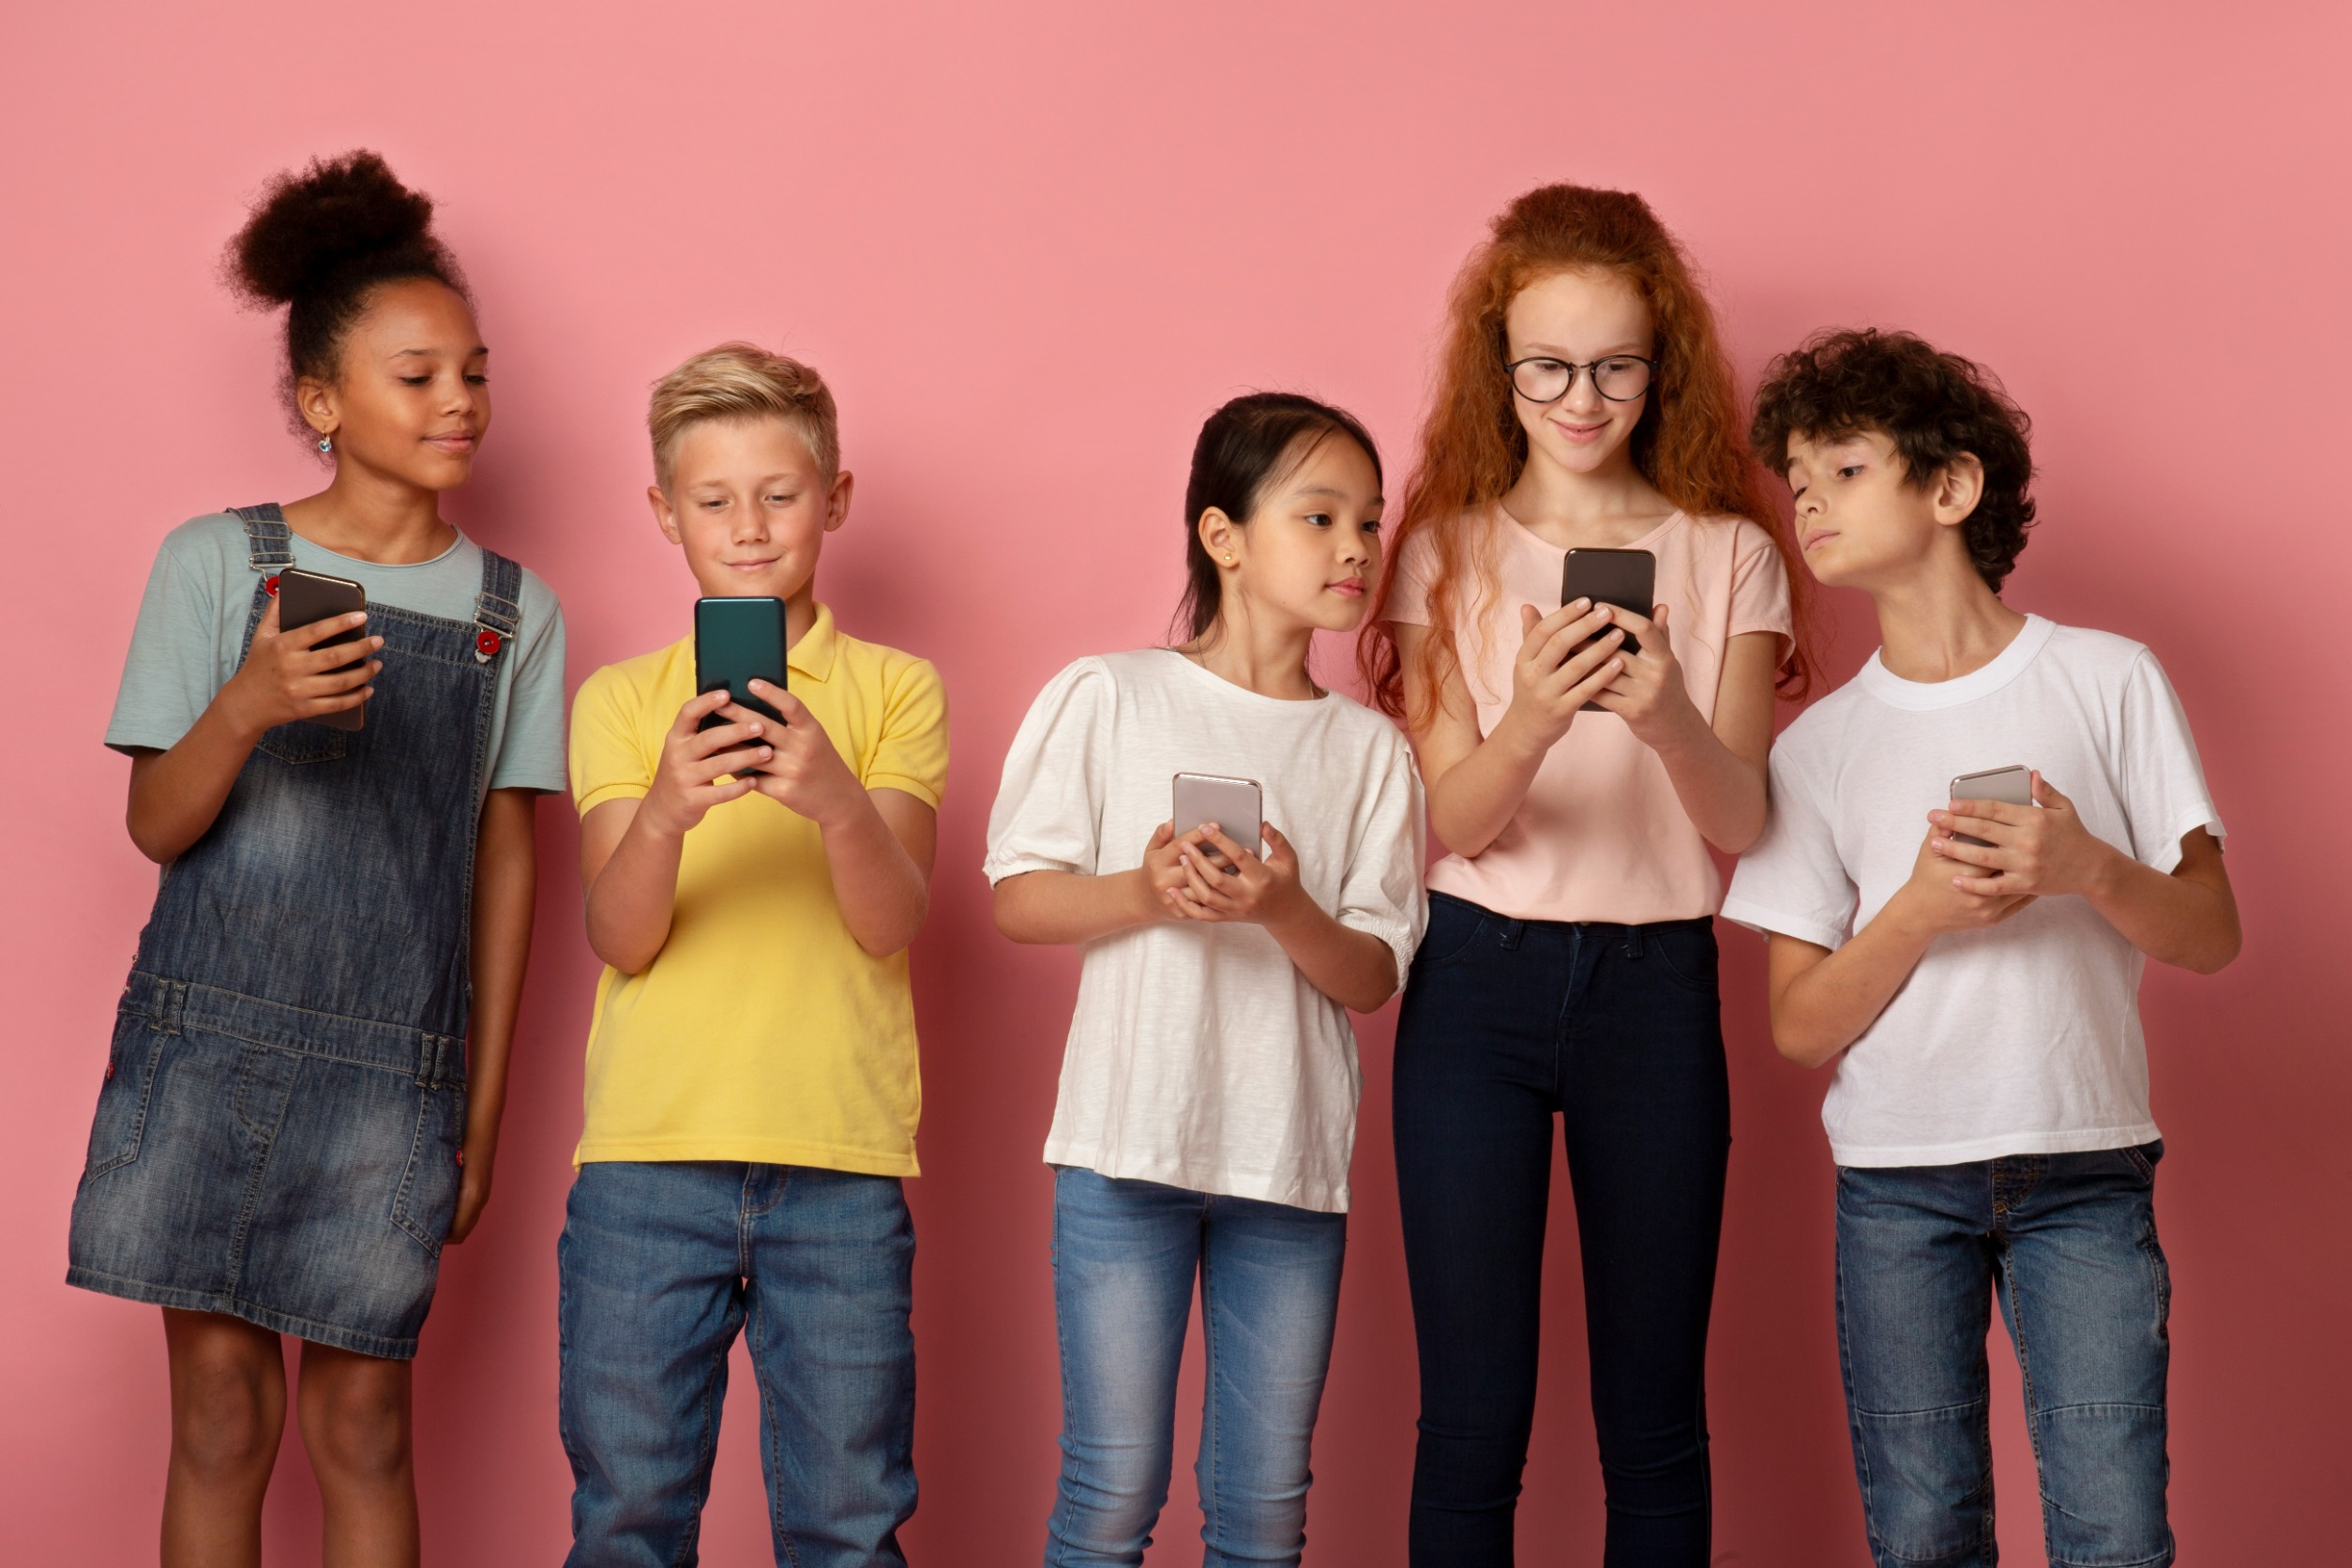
(301, 1103)
(1578, 785)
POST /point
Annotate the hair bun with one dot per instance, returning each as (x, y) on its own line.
(334, 216)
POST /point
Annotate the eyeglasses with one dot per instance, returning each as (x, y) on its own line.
(1621, 378)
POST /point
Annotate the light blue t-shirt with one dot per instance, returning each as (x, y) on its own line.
(190, 639)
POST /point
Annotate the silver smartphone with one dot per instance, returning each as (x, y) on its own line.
(1237, 806)
(2012, 785)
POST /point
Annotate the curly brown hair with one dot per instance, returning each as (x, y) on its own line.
(319, 241)
(1934, 408)
(1472, 446)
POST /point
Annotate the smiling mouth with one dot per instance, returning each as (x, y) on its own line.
(1351, 587)
(452, 438)
(1818, 534)
(759, 566)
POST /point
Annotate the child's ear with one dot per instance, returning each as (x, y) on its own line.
(665, 515)
(837, 500)
(1959, 486)
(315, 401)
(1217, 535)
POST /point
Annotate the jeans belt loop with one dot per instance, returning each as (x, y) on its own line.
(1512, 931)
(1632, 942)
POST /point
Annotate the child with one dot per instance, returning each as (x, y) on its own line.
(302, 1101)
(752, 1093)
(1989, 1112)
(1570, 970)
(1208, 1103)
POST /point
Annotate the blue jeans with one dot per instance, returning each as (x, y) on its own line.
(1515, 1032)
(660, 1265)
(1125, 1254)
(2068, 1244)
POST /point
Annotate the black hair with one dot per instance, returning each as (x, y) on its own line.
(319, 241)
(1244, 446)
(1934, 407)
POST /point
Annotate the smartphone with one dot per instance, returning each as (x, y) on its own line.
(737, 641)
(1627, 578)
(2013, 786)
(305, 597)
(1235, 804)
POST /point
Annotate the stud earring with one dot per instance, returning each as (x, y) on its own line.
(326, 444)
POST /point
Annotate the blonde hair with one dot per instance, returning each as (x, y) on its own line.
(743, 380)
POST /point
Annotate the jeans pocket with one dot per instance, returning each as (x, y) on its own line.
(2143, 1160)
(133, 1058)
(428, 1199)
(1688, 954)
(304, 742)
(1454, 927)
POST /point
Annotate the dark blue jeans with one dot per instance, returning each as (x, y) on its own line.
(1615, 1030)
(661, 1264)
(2068, 1244)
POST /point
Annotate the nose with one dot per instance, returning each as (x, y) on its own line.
(1584, 388)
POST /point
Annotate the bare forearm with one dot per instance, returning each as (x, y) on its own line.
(634, 895)
(2181, 920)
(177, 794)
(881, 893)
(1353, 967)
(1475, 800)
(506, 878)
(1720, 791)
(1054, 908)
(1821, 1011)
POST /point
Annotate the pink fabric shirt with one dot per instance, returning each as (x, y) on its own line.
(1601, 834)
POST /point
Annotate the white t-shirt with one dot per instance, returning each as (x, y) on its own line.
(2024, 1038)
(1198, 1056)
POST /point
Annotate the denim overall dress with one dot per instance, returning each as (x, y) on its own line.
(278, 1134)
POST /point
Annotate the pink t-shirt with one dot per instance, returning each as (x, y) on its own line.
(1601, 834)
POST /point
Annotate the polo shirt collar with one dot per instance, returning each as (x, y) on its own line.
(813, 654)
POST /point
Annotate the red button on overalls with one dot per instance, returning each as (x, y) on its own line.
(270, 585)
(487, 643)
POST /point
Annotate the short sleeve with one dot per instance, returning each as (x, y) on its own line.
(1759, 586)
(612, 759)
(1380, 892)
(1048, 809)
(1793, 881)
(2164, 794)
(172, 672)
(911, 752)
(1409, 596)
(531, 747)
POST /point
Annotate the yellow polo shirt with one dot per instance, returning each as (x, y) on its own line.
(761, 1032)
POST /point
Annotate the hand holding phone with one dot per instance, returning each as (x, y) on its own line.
(2012, 785)
(2040, 845)
(300, 665)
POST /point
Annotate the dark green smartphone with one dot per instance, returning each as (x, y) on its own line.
(737, 641)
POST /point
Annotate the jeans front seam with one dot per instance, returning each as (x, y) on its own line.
(1209, 1465)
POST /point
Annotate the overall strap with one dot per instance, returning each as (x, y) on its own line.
(268, 542)
(498, 608)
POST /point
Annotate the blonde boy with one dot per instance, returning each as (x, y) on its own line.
(752, 1089)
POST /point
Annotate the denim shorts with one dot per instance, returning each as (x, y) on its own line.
(299, 1180)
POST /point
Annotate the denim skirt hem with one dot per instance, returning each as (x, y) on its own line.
(251, 1312)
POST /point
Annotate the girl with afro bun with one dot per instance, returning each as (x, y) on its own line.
(300, 1106)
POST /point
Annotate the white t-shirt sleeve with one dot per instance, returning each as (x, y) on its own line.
(1794, 881)
(1048, 809)
(2164, 794)
(1380, 891)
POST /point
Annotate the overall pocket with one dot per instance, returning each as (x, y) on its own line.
(132, 1061)
(428, 1199)
(304, 742)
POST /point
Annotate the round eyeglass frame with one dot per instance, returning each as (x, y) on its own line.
(1592, 368)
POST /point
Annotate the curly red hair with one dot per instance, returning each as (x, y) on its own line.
(1689, 444)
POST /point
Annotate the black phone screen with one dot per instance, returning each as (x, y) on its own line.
(1626, 578)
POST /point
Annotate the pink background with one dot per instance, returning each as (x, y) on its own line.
(1031, 246)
